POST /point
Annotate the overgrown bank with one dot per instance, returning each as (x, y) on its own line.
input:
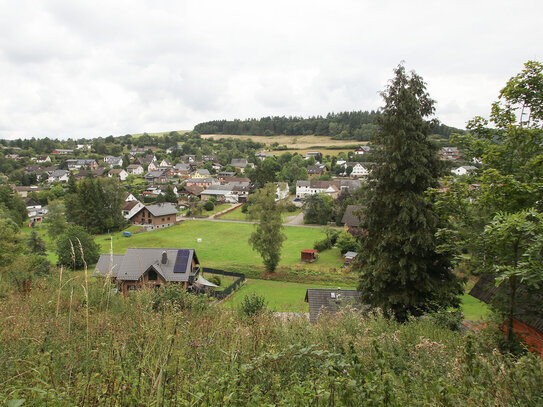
(167, 348)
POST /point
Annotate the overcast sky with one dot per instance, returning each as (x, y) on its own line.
(94, 68)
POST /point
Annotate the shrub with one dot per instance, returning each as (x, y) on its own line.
(209, 205)
(290, 207)
(215, 279)
(174, 295)
(346, 242)
(72, 258)
(446, 319)
(253, 305)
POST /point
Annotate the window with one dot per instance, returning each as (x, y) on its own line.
(152, 276)
(162, 219)
(168, 218)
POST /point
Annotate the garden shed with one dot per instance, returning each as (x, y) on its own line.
(309, 255)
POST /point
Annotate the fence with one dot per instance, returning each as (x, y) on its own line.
(221, 295)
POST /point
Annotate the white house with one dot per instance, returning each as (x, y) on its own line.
(135, 169)
(122, 174)
(312, 187)
(59, 175)
(463, 170)
(130, 208)
(153, 166)
(282, 191)
(165, 164)
(113, 161)
(360, 169)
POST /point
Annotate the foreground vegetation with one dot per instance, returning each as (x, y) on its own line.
(145, 350)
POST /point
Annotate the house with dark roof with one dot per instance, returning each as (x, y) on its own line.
(151, 267)
(330, 300)
(351, 219)
(155, 216)
(528, 313)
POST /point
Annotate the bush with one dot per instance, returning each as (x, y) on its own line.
(175, 296)
(446, 319)
(346, 242)
(215, 279)
(209, 205)
(69, 251)
(253, 305)
(290, 207)
(327, 243)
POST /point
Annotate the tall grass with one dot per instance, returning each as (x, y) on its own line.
(183, 353)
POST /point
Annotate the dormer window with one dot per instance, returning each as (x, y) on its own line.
(152, 276)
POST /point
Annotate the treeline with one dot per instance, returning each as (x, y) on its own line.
(359, 125)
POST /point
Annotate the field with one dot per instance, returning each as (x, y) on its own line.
(292, 142)
(224, 245)
(237, 214)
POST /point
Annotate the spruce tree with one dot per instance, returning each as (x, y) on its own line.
(400, 269)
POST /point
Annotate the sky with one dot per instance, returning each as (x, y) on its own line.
(85, 69)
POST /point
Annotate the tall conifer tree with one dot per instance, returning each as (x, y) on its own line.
(400, 269)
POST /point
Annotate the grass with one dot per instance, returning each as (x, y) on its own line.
(237, 214)
(473, 309)
(280, 296)
(223, 245)
(292, 142)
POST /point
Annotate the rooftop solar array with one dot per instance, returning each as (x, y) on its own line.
(181, 261)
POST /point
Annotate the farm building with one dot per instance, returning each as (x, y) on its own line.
(152, 267)
(527, 320)
(330, 300)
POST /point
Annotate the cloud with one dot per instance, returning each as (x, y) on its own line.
(94, 68)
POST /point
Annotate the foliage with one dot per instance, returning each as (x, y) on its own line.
(328, 241)
(55, 221)
(268, 237)
(252, 305)
(318, 209)
(209, 206)
(174, 296)
(346, 243)
(70, 245)
(169, 195)
(215, 279)
(36, 244)
(400, 268)
(96, 205)
(12, 205)
(135, 356)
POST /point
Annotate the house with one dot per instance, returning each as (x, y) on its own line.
(329, 300)
(153, 166)
(147, 159)
(362, 150)
(34, 209)
(527, 320)
(282, 191)
(316, 170)
(201, 173)
(155, 216)
(113, 161)
(122, 174)
(201, 182)
(74, 165)
(135, 151)
(212, 158)
(134, 169)
(187, 158)
(181, 169)
(351, 220)
(159, 176)
(466, 169)
(130, 208)
(43, 159)
(263, 155)
(15, 157)
(310, 154)
(222, 193)
(450, 153)
(23, 191)
(309, 255)
(58, 175)
(151, 267)
(83, 147)
(312, 187)
(241, 164)
(165, 164)
(225, 174)
(191, 190)
(61, 151)
(359, 169)
(129, 197)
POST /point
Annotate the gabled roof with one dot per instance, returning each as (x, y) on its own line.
(485, 290)
(137, 260)
(329, 300)
(162, 209)
(349, 217)
(239, 162)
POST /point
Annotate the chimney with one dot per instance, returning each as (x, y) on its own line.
(164, 257)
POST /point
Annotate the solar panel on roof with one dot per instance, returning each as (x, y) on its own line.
(181, 261)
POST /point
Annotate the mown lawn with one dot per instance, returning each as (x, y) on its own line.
(473, 309)
(237, 214)
(223, 245)
(280, 296)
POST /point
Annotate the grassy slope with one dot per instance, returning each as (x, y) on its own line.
(237, 214)
(223, 244)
